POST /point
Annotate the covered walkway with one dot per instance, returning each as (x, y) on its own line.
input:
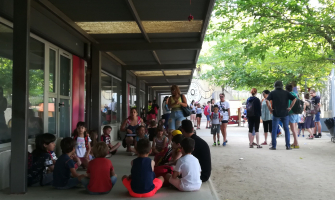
(64, 61)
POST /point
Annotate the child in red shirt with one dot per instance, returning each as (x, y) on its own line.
(107, 139)
(100, 172)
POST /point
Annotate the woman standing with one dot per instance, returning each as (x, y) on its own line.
(224, 109)
(166, 111)
(193, 114)
(199, 115)
(253, 114)
(175, 102)
(309, 122)
(266, 116)
(129, 126)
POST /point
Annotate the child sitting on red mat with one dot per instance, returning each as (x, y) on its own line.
(142, 181)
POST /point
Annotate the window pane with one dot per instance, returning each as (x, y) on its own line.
(107, 105)
(6, 67)
(52, 70)
(36, 88)
(65, 73)
(52, 116)
(64, 118)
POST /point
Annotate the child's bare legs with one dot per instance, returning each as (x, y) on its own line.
(84, 162)
(123, 177)
(161, 178)
(114, 148)
(129, 141)
(198, 122)
(214, 138)
(293, 127)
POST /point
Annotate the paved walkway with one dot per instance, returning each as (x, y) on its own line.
(121, 162)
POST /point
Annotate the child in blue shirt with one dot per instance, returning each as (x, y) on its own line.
(64, 167)
(142, 181)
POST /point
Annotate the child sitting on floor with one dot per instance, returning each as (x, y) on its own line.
(107, 139)
(41, 166)
(188, 167)
(152, 130)
(64, 167)
(159, 142)
(176, 149)
(83, 143)
(100, 172)
(142, 181)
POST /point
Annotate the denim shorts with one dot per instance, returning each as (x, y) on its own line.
(208, 117)
(176, 117)
(293, 118)
(317, 117)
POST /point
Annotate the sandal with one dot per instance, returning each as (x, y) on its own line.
(310, 137)
(264, 143)
(259, 147)
(254, 144)
(251, 146)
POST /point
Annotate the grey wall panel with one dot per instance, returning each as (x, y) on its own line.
(110, 66)
(131, 78)
(47, 29)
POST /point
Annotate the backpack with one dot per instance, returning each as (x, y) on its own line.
(313, 109)
(218, 113)
(86, 140)
(298, 107)
(251, 108)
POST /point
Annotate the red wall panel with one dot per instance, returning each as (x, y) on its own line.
(78, 90)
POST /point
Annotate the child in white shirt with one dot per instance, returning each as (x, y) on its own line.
(188, 167)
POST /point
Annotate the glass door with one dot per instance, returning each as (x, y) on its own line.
(58, 86)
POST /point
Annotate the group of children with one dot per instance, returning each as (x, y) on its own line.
(175, 165)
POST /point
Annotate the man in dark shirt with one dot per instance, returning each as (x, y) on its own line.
(280, 111)
(316, 101)
(201, 150)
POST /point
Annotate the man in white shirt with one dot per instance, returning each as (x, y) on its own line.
(111, 106)
(188, 167)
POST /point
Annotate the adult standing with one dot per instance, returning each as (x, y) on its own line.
(280, 111)
(201, 150)
(166, 111)
(266, 116)
(129, 126)
(175, 102)
(309, 122)
(293, 119)
(193, 113)
(316, 101)
(224, 109)
(253, 114)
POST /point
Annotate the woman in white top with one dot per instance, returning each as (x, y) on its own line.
(224, 109)
(193, 106)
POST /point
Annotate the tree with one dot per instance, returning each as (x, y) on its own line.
(261, 41)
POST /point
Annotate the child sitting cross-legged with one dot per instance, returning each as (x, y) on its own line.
(64, 167)
(83, 141)
(100, 172)
(107, 139)
(142, 181)
(160, 141)
(140, 135)
(188, 167)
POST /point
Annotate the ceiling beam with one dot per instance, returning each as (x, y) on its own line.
(118, 60)
(160, 67)
(168, 84)
(137, 19)
(158, 78)
(150, 46)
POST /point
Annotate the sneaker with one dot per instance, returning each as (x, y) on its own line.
(224, 144)
(214, 144)
(272, 148)
(303, 135)
(219, 142)
(297, 147)
(288, 148)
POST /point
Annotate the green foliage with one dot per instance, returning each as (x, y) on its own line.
(261, 41)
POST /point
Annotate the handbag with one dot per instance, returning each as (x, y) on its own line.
(186, 110)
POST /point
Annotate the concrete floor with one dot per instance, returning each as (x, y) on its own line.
(121, 162)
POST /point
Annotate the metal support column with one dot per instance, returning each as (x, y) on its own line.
(19, 146)
(146, 98)
(124, 93)
(88, 85)
(138, 93)
(96, 91)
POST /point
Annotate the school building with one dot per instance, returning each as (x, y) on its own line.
(64, 61)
